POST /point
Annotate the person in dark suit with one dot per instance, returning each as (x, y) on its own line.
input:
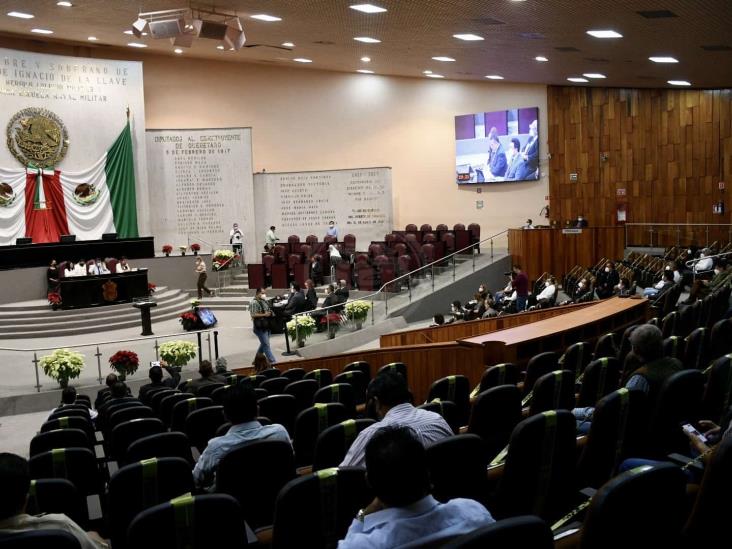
(297, 302)
(581, 222)
(342, 292)
(529, 155)
(310, 295)
(496, 157)
(156, 380)
(207, 378)
(607, 279)
(515, 158)
(330, 299)
(316, 269)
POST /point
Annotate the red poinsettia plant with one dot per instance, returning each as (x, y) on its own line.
(167, 248)
(189, 320)
(124, 362)
(331, 318)
(195, 247)
(54, 298)
(151, 288)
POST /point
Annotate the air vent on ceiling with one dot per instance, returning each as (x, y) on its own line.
(656, 14)
(532, 35)
(488, 21)
(566, 48)
(597, 60)
(717, 47)
(324, 43)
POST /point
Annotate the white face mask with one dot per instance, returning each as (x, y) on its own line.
(263, 296)
(581, 285)
(717, 271)
(607, 269)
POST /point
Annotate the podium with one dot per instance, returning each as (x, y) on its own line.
(145, 307)
(279, 276)
(255, 275)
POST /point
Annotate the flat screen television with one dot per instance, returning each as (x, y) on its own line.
(494, 147)
(207, 317)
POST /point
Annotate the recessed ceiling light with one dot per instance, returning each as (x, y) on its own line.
(662, 59)
(679, 83)
(593, 75)
(577, 79)
(42, 31)
(604, 34)
(468, 37)
(426, 72)
(219, 47)
(265, 17)
(288, 44)
(302, 60)
(137, 45)
(65, 4)
(20, 15)
(366, 40)
(128, 32)
(368, 8)
(541, 59)
(365, 71)
(366, 59)
(443, 58)
(494, 77)
(92, 39)
(178, 50)
(433, 75)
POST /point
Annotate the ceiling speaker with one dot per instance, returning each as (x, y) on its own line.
(183, 40)
(167, 28)
(138, 27)
(210, 29)
(234, 38)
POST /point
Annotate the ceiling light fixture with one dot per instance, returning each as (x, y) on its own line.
(604, 34)
(302, 60)
(494, 77)
(288, 44)
(426, 72)
(219, 47)
(265, 17)
(679, 83)
(468, 37)
(178, 50)
(433, 75)
(20, 15)
(137, 45)
(663, 59)
(92, 39)
(594, 75)
(366, 59)
(367, 40)
(443, 58)
(365, 71)
(541, 59)
(65, 4)
(42, 31)
(368, 8)
(577, 79)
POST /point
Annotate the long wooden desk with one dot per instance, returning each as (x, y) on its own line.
(461, 330)
(88, 291)
(554, 251)
(519, 344)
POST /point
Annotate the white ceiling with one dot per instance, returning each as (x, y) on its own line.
(413, 31)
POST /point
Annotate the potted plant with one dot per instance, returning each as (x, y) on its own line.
(195, 248)
(222, 260)
(167, 248)
(300, 328)
(63, 365)
(54, 298)
(357, 311)
(151, 288)
(332, 321)
(124, 363)
(182, 249)
(190, 321)
(177, 353)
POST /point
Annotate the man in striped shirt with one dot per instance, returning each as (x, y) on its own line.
(388, 395)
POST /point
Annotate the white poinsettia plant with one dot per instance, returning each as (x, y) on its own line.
(301, 327)
(222, 259)
(177, 353)
(63, 365)
(357, 310)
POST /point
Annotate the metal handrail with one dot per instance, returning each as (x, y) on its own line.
(679, 227)
(399, 278)
(693, 262)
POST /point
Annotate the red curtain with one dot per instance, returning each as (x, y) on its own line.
(48, 224)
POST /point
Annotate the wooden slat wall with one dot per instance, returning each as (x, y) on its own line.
(667, 148)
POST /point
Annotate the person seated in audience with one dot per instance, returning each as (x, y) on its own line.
(483, 291)
(389, 400)
(80, 268)
(342, 292)
(437, 320)
(156, 379)
(404, 513)
(701, 287)
(207, 377)
(705, 263)
(261, 363)
(649, 370)
(475, 307)
(110, 380)
(508, 290)
(623, 287)
(15, 480)
(667, 280)
(490, 308)
(68, 396)
(546, 295)
(457, 311)
(583, 291)
(69, 269)
(220, 369)
(607, 279)
(240, 408)
(297, 302)
(98, 268)
(310, 296)
(528, 225)
(330, 299)
(123, 266)
(674, 268)
(581, 222)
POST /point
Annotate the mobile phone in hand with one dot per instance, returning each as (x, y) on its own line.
(689, 429)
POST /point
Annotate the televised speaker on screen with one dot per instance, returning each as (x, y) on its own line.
(493, 147)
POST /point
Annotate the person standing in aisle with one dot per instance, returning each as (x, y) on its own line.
(202, 276)
(236, 239)
(261, 314)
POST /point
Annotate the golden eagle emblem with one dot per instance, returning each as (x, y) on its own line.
(37, 137)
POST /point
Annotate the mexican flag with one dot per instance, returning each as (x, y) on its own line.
(44, 205)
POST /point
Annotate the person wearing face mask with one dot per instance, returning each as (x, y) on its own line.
(607, 279)
(332, 230)
(297, 303)
(701, 287)
(98, 268)
(673, 267)
(667, 280)
(584, 291)
(705, 262)
(581, 222)
(261, 314)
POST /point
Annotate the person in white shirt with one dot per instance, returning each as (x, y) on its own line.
(235, 239)
(98, 268)
(270, 239)
(705, 262)
(404, 513)
(69, 270)
(123, 266)
(528, 225)
(332, 230)
(335, 254)
(548, 292)
(80, 268)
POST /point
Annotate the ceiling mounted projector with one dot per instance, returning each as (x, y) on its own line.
(182, 25)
